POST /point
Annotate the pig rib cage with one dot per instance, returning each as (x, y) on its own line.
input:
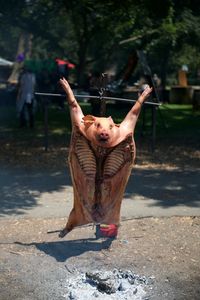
(96, 97)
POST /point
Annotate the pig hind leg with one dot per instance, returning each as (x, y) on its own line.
(71, 223)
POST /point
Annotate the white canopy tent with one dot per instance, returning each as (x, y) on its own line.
(5, 62)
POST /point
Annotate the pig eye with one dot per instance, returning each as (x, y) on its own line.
(98, 125)
(111, 126)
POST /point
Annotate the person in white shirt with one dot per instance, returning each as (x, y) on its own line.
(25, 98)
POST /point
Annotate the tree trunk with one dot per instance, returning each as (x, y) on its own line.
(164, 68)
(24, 48)
(82, 63)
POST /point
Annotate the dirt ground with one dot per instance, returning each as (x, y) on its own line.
(36, 264)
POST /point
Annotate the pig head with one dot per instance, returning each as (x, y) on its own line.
(100, 131)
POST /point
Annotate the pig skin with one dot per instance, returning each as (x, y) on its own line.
(99, 177)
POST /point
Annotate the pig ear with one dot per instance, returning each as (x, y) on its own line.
(88, 120)
(110, 118)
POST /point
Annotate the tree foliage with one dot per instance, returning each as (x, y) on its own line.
(89, 32)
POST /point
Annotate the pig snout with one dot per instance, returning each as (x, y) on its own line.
(104, 135)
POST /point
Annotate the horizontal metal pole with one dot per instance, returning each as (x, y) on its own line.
(96, 97)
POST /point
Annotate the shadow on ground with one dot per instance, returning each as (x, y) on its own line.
(168, 187)
(63, 250)
(20, 189)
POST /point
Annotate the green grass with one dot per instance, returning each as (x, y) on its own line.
(180, 121)
(172, 121)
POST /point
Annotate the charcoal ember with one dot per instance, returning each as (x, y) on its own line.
(105, 282)
(128, 275)
(142, 279)
(135, 291)
(131, 280)
(109, 287)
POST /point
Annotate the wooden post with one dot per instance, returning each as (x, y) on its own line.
(102, 107)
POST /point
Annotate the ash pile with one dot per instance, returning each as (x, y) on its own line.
(116, 284)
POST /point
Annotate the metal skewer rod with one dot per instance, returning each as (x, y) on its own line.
(96, 97)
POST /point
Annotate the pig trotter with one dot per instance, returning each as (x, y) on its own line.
(63, 232)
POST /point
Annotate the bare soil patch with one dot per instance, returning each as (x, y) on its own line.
(37, 265)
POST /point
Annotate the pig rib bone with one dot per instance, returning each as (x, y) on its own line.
(114, 161)
(85, 157)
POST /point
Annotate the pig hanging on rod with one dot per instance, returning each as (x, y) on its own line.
(101, 158)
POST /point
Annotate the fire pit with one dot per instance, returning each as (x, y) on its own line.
(116, 284)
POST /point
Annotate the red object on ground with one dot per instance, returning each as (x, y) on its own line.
(110, 230)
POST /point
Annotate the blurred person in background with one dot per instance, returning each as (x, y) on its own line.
(25, 98)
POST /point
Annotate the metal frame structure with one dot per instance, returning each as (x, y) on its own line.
(102, 99)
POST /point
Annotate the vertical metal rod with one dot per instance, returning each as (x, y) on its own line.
(46, 129)
(102, 92)
(102, 107)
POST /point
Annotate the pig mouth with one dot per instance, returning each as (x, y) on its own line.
(103, 140)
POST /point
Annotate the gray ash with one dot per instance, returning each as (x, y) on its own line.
(116, 284)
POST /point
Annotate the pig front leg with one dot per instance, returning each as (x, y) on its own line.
(75, 109)
(129, 123)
